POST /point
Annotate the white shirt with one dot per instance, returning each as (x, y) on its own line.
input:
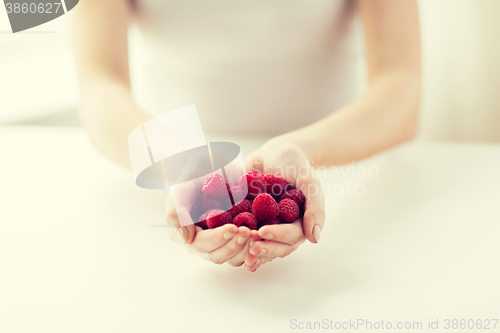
(260, 66)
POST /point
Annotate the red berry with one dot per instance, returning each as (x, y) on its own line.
(255, 184)
(237, 193)
(209, 203)
(215, 186)
(217, 218)
(264, 207)
(246, 220)
(244, 206)
(289, 210)
(202, 221)
(269, 222)
(297, 196)
(275, 185)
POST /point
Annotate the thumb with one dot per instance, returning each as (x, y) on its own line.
(314, 214)
(180, 234)
(253, 163)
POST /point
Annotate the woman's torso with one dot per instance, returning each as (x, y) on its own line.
(260, 67)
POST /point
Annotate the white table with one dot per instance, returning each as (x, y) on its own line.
(82, 249)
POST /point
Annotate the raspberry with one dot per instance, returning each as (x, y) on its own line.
(297, 196)
(269, 222)
(246, 220)
(202, 221)
(215, 186)
(210, 203)
(289, 210)
(255, 184)
(217, 218)
(229, 186)
(237, 193)
(275, 185)
(244, 206)
(264, 207)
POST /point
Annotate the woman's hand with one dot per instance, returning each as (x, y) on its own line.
(282, 158)
(227, 243)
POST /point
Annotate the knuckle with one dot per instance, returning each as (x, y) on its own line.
(217, 261)
(230, 249)
(287, 252)
(321, 212)
(235, 264)
(191, 250)
(200, 250)
(170, 216)
(227, 253)
(286, 150)
(172, 236)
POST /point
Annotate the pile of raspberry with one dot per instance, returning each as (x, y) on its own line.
(270, 200)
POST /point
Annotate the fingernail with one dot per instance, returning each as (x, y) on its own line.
(184, 234)
(257, 262)
(316, 233)
(241, 240)
(228, 235)
(268, 236)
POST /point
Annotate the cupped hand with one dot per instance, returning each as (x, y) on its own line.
(227, 243)
(287, 160)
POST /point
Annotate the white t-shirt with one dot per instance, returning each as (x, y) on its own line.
(259, 67)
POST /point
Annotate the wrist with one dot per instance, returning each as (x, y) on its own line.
(305, 140)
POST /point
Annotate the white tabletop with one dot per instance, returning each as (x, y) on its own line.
(82, 249)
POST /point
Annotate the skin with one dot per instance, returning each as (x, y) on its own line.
(384, 116)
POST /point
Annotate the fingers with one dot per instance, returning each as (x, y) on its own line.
(314, 214)
(208, 240)
(233, 251)
(288, 233)
(252, 163)
(250, 260)
(272, 249)
(239, 258)
(281, 240)
(184, 235)
(258, 262)
(261, 252)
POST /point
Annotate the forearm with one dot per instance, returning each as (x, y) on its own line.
(107, 109)
(386, 115)
(109, 114)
